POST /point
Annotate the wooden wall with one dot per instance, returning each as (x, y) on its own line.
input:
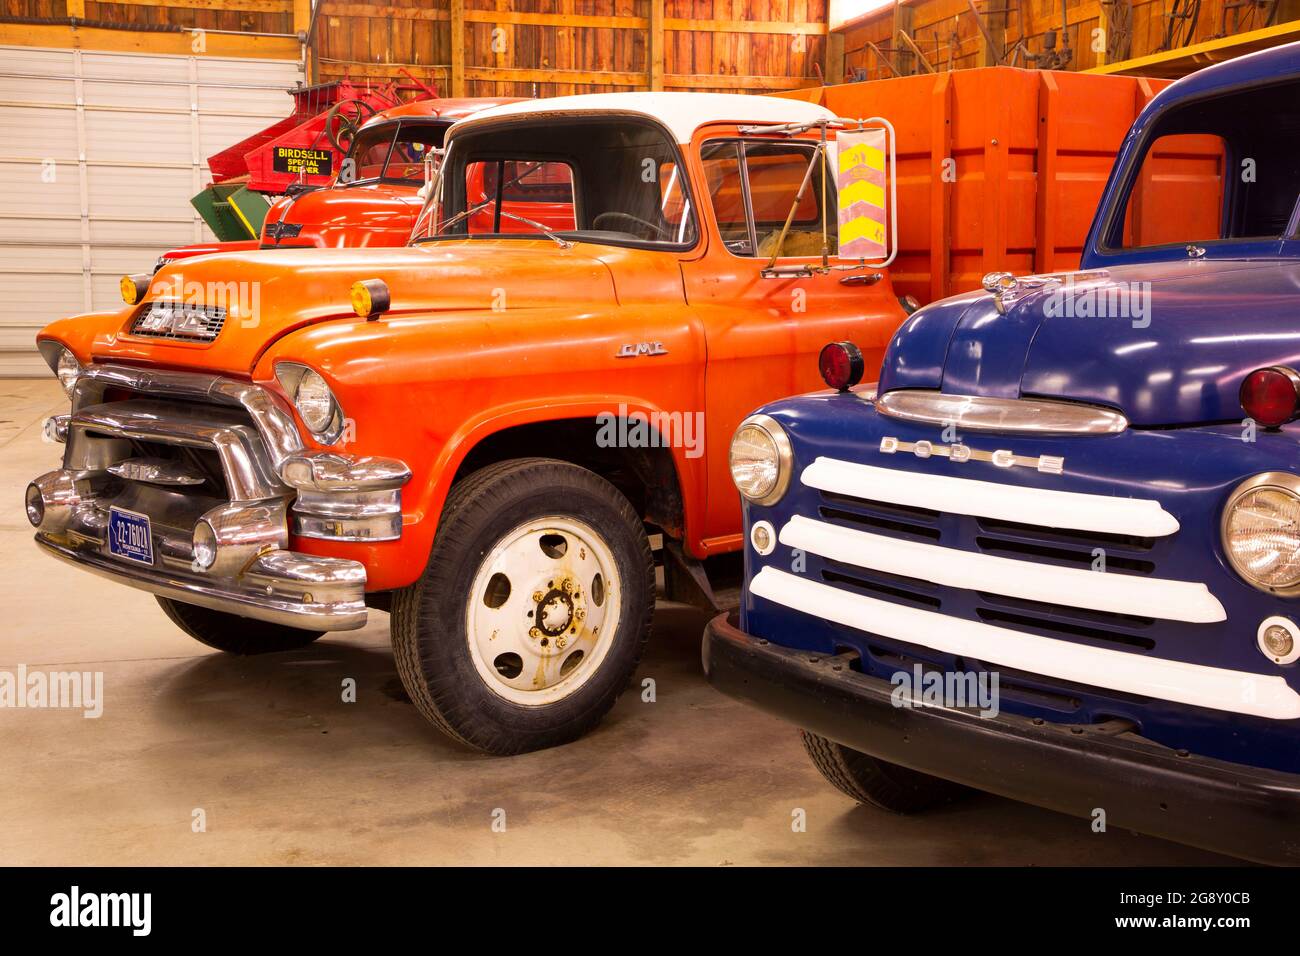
(555, 47)
(948, 34)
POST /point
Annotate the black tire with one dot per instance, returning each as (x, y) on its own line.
(876, 782)
(232, 633)
(429, 626)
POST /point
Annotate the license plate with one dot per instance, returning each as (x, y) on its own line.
(129, 537)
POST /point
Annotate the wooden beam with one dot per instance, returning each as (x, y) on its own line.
(677, 24)
(903, 59)
(655, 45)
(580, 77)
(301, 23)
(359, 68)
(77, 9)
(833, 68)
(380, 11)
(457, 47)
(552, 19)
(704, 81)
(242, 6)
(1175, 63)
(132, 41)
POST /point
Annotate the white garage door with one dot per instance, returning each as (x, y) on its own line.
(99, 156)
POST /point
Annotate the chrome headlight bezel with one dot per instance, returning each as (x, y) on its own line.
(62, 362)
(783, 456)
(1279, 481)
(291, 376)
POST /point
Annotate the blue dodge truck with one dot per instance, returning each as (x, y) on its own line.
(1075, 496)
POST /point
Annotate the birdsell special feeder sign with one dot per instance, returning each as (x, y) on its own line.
(300, 159)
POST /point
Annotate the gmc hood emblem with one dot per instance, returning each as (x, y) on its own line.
(1047, 464)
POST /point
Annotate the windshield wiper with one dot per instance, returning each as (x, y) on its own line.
(564, 243)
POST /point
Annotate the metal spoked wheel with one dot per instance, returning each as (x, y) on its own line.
(542, 608)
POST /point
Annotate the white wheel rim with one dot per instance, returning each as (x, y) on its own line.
(543, 610)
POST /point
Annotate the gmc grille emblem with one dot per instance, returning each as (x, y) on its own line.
(634, 349)
(1047, 464)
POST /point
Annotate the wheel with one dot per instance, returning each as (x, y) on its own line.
(888, 786)
(232, 633)
(531, 615)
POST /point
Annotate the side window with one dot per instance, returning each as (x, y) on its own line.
(1178, 194)
(722, 171)
(753, 185)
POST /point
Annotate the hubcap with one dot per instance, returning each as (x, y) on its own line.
(543, 610)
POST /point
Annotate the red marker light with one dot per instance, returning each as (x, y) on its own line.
(1269, 395)
(841, 365)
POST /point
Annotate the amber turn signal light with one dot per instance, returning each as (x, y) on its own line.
(370, 297)
(134, 288)
(841, 365)
(1271, 395)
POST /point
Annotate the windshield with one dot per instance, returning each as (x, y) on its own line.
(394, 152)
(591, 179)
(1226, 169)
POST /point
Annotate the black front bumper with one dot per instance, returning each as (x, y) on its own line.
(1229, 808)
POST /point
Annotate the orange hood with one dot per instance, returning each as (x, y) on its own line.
(268, 294)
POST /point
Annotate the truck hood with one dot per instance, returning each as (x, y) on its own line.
(329, 216)
(269, 294)
(1170, 346)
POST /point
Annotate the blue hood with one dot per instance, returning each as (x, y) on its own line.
(1176, 356)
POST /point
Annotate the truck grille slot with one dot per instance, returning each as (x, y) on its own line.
(1062, 556)
(1087, 539)
(877, 588)
(1063, 629)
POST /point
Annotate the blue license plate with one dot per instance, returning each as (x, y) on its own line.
(129, 537)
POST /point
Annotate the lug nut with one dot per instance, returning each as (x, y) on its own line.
(567, 586)
(537, 597)
(534, 633)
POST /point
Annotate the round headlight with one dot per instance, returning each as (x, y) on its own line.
(35, 502)
(205, 546)
(314, 401)
(68, 369)
(1261, 531)
(760, 460)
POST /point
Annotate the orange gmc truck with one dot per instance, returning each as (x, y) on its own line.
(481, 431)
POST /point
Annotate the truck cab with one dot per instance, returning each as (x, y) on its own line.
(480, 431)
(1079, 491)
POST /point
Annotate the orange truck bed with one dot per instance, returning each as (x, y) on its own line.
(1030, 151)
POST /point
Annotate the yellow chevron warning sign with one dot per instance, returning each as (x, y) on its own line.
(861, 182)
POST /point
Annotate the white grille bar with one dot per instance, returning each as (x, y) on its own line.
(1073, 587)
(1104, 514)
(1237, 692)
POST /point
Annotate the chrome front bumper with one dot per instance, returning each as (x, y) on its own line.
(232, 466)
(297, 590)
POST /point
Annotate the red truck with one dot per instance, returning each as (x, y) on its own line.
(375, 197)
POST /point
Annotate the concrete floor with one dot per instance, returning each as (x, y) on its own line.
(285, 772)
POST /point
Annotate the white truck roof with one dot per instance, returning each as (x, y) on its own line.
(681, 113)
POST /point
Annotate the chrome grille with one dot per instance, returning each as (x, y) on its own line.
(179, 321)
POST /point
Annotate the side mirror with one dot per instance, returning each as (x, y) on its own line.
(867, 195)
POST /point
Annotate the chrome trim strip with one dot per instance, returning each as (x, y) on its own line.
(1162, 598)
(250, 475)
(296, 590)
(978, 413)
(1238, 692)
(273, 422)
(1076, 510)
